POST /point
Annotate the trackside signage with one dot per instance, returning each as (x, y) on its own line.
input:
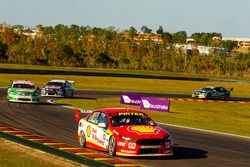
(131, 99)
(146, 103)
(157, 104)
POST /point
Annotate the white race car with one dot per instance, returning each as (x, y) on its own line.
(23, 91)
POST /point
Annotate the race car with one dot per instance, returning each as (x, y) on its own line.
(23, 91)
(58, 88)
(124, 132)
(212, 92)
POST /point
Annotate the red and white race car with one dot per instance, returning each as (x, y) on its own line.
(124, 132)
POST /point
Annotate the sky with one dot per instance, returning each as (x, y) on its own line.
(231, 18)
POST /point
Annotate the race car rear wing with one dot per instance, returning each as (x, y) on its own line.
(78, 111)
(230, 89)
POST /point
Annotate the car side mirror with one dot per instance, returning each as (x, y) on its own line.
(102, 125)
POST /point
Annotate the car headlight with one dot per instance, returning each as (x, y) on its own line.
(12, 93)
(127, 138)
(168, 142)
(35, 94)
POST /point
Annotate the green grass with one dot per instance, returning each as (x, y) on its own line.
(15, 155)
(129, 84)
(217, 116)
(124, 71)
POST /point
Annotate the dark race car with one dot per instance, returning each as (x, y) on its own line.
(124, 132)
(58, 88)
(212, 92)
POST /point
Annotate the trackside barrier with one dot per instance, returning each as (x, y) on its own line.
(64, 150)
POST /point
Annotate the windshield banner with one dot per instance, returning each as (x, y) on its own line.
(157, 104)
(131, 99)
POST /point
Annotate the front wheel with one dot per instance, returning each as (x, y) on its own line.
(112, 146)
(82, 140)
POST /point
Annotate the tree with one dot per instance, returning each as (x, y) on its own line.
(230, 45)
(160, 30)
(167, 37)
(132, 32)
(180, 37)
(3, 50)
(145, 29)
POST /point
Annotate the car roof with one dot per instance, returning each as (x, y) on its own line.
(210, 87)
(58, 80)
(213, 87)
(23, 82)
(116, 110)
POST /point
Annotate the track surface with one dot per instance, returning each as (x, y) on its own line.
(192, 148)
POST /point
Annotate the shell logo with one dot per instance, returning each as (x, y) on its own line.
(143, 129)
(88, 131)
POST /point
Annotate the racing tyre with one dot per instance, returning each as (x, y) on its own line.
(112, 146)
(226, 97)
(82, 140)
(209, 96)
(72, 94)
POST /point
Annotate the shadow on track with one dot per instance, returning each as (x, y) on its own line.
(188, 153)
(180, 153)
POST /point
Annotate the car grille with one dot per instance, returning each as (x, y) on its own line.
(52, 91)
(23, 99)
(150, 141)
(24, 93)
(148, 151)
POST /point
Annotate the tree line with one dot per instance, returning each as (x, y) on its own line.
(94, 47)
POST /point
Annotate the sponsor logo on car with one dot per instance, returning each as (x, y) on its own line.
(121, 144)
(128, 151)
(131, 145)
(88, 131)
(143, 129)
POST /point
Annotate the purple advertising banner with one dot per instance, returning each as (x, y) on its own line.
(131, 99)
(157, 104)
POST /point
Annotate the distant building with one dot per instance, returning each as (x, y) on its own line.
(155, 38)
(242, 42)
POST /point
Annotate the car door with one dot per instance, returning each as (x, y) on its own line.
(102, 131)
(219, 92)
(67, 89)
(95, 134)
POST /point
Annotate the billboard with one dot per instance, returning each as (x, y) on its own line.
(157, 104)
(131, 99)
(146, 103)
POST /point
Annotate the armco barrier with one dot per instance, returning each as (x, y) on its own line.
(64, 150)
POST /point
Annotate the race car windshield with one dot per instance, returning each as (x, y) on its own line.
(206, 89)
(131, 120)
(55, 84)
(26, 86)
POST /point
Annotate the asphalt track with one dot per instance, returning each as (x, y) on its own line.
(193, 148)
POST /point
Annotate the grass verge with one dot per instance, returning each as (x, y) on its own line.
(13, 154)
(129, 84)
(230, 118)
(123, 71)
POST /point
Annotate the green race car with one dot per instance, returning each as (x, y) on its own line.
(23, 91)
